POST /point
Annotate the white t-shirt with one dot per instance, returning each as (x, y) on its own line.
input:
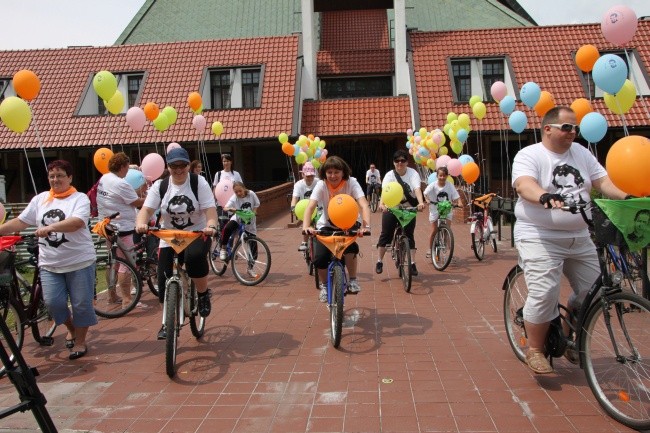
(321, 195)
(302, 190)
(179, 209)
(569, 174)
(436, 193)
(373, 176)
(411, 181)
(114, 194)
(232, 176)
(70, 250)
(250, 202)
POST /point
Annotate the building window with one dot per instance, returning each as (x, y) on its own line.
(356, 87)
(134, 83)
(234, 88)
(220, 89)
(636, 74)
(4, 84)
(475, 76)
(250, 85)
(129, 84)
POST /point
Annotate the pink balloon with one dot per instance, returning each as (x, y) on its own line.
(437, 137)
(619, 25)
(498, 90)
(454, 166)
(198, 122)
(443, 161)
(152, 166)
(136, 118)
(223, 191)
(172, 145)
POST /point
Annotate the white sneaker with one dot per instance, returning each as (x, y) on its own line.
(322, 296)
(252, 273)
(353, 287)
(303, 247)
(223, 255)
(133, 290)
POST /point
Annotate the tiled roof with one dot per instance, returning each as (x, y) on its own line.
(354, 30)
(172, 71)
(355, 62)
(363, 116)
(544, 55)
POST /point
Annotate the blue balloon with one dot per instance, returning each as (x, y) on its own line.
(464, 159)
(593, 127)
(462, 134)
(432, 177)
(507, 105)
(530, 93)
(518, 121)
(610, 73)
(135, 178)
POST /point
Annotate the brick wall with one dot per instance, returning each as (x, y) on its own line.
(273, 201)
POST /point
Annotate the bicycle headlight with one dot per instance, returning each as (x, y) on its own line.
(617, 277)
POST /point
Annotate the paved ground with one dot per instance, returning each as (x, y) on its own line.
(434, 360)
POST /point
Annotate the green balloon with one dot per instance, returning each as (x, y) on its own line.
(161, 123)
(171, 114)
(105, 85)
(15, 114)
(300, 208)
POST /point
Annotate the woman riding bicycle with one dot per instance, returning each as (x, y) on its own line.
(410, 181)
(335, 176)
(438, 191)
(181, 209)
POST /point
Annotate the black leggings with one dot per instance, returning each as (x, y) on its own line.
(228, 231)
(388, 224)
(194, 257)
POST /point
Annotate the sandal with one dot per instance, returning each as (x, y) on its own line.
(78, 354)
(537, 362)
(69, 344)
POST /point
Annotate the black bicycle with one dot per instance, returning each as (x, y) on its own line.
(400, 249)
(611, 334)
(374, 196)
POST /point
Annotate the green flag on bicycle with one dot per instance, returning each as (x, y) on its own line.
(403, 216)
(631, 218)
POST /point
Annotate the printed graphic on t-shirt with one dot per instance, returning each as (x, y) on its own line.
(569, 182)
(246, 205)
(307, 194)
(442, 196)
(180, 208)
(54, 239)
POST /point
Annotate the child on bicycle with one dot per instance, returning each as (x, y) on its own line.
(438, 191)
(335, 176)
(303, 189)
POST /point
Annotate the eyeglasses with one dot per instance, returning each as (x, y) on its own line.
(178, 166)
(57, 176)
(566, 127)
(399, 161)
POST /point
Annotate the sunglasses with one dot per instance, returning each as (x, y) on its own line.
(399, 161)
(566, 127)
(178, 166)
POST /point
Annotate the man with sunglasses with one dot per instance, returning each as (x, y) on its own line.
(551, 243)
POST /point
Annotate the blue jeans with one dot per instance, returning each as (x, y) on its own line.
(79, 287)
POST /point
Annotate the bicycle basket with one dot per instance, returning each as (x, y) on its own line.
(605, 232)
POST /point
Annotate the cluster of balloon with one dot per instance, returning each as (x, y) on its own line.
(627, 165)
(531, 95)
(137, 118)
(14, 110)
(427, 146)
(105, 85)
(343, 211)
(152, 166)
(101, 158)
(195, 102)
(306, 148)
(299, 209)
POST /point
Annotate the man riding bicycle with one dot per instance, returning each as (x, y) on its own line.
(373, 181)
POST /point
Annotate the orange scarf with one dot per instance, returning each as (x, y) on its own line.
(334, 191)
(64, 194)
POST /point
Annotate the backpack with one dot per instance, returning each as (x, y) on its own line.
(92, 196)
(194, 184)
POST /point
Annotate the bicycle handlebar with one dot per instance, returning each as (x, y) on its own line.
(326, 232)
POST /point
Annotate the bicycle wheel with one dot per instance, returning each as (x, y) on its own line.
(374, 201)
(218, 266)
(197, 322)
(108, 300)
(336, 307)
(43, 325)
(478, 244)
(251, 260)
(405, 262)
(515, 292)
(148, 274)
(172, 327)
(9, 312)
(618, 367)
(442, 249)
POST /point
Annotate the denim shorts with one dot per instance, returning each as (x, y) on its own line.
(78, 287)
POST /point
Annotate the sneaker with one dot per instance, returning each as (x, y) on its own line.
(162, 335)
(414, 270)
(204, 305)
(379, 267)
(223, 255)
(303, 247)
(322, 296)
(252, 273)
(353, 287)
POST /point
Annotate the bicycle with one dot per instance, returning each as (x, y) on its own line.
(249, 255)
(610, 334)
(308, 254)
(374, 196)
(181, 297)
(482, 229)
(337, 281)
(138, 268)
(442, 245)
(400, 248)
(22, 306)
(628, 263)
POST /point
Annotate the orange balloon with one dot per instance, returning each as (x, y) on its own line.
(544, 104)
(194, 100)
(26, 84)
(288, 148)
(627, 165)
(151, 110)
(586, 56)
(101, 157)
(343, 211)
(470, 172)
(581, 107)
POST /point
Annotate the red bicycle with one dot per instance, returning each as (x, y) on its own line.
(482, 229)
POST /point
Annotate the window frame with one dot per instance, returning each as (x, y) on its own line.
(379, 82)
(478, 84)
(637, 70)
(92, 104)
(236, 89)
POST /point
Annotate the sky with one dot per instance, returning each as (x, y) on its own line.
(30, 24)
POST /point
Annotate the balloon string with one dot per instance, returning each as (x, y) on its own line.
(636, 84)
(290, 169)
(29, 168)
(108, 123)
(38, 140)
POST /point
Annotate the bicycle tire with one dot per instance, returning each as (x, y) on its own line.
(374, 201)
(515, 292)
(442, 249)
(10, 312)
(197, 322)
(405, 263)
(478, 244)
(217, 265)
(252, 254)
(105, 278)
(619, 383)
(336, 306)
(172, 327)
(149, 274)
(493, 242)
(42, 324)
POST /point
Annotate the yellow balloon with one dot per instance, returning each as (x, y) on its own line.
(451, 116)
(457, 147)
(479, 110)
(392, 193)
(283, 138)
(443, 151)
(431, 164)
(217, 128)
(450, 179)
(116, 103)
(463, 120)
(423, 132)
(15, 114)
(623, 100)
